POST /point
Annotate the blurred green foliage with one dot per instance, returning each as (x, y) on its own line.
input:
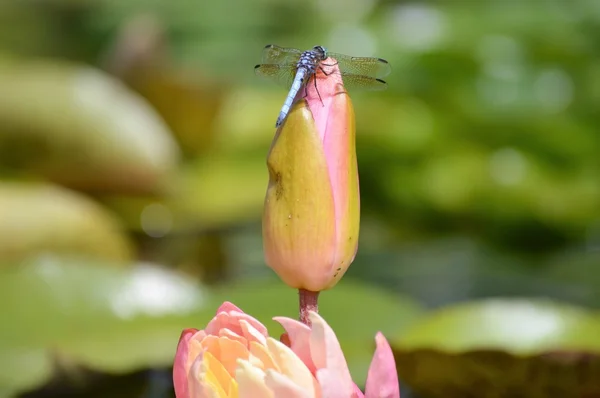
(135, 131)
(517, 349)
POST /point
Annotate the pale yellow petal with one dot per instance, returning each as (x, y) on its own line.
(218, 372)
(231, 351)
(195, 348)
(291, 366)
(283, 387)
(226, 351)
(261, 352)
(212, 386)
(195, 388)
(254, 361)
(251, 381)
(233, 389)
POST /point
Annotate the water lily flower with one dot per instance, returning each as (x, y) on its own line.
(312, 210)
(234, 357)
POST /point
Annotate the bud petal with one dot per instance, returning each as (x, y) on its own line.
(382, 379)
(312, 211)
(180, 365)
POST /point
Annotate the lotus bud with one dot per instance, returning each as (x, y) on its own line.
(312, 210)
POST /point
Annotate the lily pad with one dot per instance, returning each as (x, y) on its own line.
(109, 319)
(210, 192)
(80, 127)
(41, 218)
(189, 105)
(503, 348)
(355, 311)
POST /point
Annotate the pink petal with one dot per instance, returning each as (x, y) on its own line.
(179, 365)
(228, 307)
(382, 380)
(232, 336)
(231, 320)
(328, 88)
(329, 359)
(299, 335)
(251, 334)
(332, 386)
(358, 393)
(334, 119)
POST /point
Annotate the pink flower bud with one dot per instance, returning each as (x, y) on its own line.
(312, 210)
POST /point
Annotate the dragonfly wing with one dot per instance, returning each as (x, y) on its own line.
(273, 54)
(367, 66)
(363, 82)
(283, 74)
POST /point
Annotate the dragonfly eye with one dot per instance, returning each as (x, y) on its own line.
(321, 50)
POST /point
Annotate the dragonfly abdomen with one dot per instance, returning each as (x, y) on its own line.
(296, 86)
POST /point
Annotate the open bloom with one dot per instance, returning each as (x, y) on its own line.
(234, 357)
(312, 211)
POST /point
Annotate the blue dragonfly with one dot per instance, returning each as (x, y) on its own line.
(294, 68)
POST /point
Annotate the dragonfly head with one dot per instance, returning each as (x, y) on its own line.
(321, 51)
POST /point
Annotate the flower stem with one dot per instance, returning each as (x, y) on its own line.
(309, 301)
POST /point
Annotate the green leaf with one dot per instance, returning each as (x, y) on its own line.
(44, 218)
(519, 326)
(80, 127)
(524, 348)
(108, 318)
(225, 177)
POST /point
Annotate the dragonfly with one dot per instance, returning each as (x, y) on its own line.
(294, 69)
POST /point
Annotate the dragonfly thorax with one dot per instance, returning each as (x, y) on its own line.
(309, 60)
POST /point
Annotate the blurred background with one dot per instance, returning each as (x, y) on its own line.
(133, 142)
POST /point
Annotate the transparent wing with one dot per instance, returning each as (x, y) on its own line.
(273, 54)
(281, 74)
(362, 82)
(367, 66)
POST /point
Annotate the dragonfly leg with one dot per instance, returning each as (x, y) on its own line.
(336, 62)
(323, 70)
(316, 88)
(326, 73)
